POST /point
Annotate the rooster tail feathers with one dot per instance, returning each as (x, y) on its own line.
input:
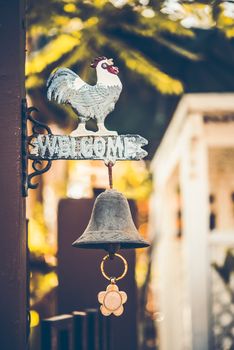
(60, 72)
(59, 83)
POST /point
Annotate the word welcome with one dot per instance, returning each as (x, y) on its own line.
(122, 147)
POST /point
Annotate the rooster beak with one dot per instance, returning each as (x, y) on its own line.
(110, 62)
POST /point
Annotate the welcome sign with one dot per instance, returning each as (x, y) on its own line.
(111, 147)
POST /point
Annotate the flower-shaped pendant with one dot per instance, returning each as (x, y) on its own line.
(112, 300)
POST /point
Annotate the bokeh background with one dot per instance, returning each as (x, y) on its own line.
(164, 49)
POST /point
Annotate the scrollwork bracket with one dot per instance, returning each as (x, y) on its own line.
(40, 167)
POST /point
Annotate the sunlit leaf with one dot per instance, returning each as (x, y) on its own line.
(70, 7)
(160, 80)
(50, 53)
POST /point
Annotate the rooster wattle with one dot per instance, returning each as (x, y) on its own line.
(88, 102)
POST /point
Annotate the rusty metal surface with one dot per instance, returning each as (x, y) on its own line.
(110, 224)
(110, 174)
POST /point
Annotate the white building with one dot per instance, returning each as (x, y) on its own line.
(192, 218)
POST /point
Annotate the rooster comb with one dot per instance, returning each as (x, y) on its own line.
(96, 60)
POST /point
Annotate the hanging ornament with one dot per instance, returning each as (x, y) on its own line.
(111, 228)
(112, 299)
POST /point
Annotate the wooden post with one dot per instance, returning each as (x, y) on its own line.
(80, 330)
(93, 329)
(12, 205)
(105, 330)
(57, 333)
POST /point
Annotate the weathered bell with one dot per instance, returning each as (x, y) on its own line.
(111, 226)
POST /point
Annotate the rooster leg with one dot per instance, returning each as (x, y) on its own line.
(81, 130)
(102, 130)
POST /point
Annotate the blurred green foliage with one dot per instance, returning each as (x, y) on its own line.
(71, 32)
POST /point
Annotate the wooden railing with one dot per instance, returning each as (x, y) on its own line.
(87, 330)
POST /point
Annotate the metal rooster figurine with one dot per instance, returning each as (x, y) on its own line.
(88, 102)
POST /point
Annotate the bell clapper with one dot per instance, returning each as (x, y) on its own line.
(112, 299)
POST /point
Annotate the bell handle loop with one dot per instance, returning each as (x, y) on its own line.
(111, 278)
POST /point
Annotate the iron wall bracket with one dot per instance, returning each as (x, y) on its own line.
(38, 166)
